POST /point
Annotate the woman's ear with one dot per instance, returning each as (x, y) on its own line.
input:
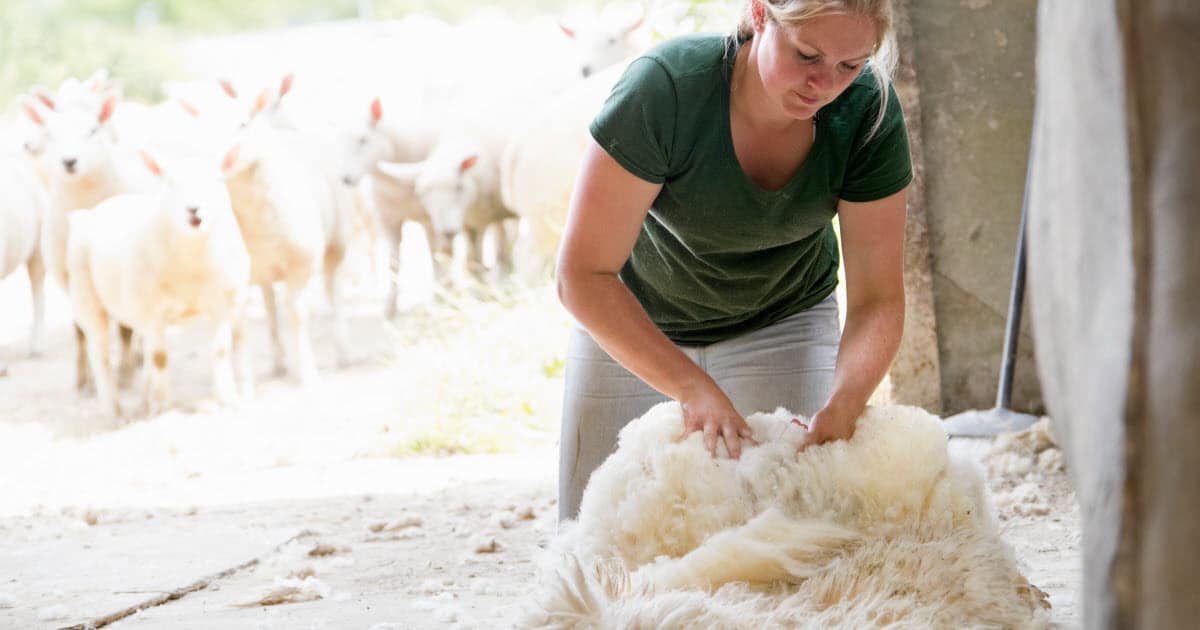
(758, 15)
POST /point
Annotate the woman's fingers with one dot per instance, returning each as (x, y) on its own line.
(732, 444)
(710, 438)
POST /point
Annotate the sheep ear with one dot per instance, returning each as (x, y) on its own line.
(285, 86)
(227, 88)
(376, 111)
(403, 171)
(188, 107)
(106, 110)
(231, 158)
(467, 163)
(98, 82)
(32, 113)
(260, 103)
(568, 31)
(150, 163)
(43, 95)
(634, 26)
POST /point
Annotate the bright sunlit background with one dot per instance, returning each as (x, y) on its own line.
(459, 370)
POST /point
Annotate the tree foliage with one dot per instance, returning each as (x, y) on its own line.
(43, 42)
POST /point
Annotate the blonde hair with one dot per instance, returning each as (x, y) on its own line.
(882, 62)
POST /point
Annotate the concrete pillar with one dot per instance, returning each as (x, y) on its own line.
(1115, 290)
(915, 375)
(974, 61)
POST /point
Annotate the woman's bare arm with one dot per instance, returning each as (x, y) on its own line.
(606, 214)
(873, 257)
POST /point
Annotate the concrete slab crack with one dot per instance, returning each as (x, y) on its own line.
(179, 593)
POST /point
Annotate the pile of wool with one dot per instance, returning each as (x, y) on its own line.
(882, 530)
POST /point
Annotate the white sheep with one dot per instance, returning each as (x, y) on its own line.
(292, 212)
(80, 163)
(600, 41)
(394, 201)
(23, 201)
(307, 139)
(156, 261)
(459, 186)
(882, 530)
(542, 160)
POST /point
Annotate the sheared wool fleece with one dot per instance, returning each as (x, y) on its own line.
(884, 530)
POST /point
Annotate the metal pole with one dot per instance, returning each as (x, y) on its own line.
(1016, 300)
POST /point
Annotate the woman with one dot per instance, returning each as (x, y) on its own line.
(699, 257)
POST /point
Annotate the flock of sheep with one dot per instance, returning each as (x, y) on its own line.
(150, 216)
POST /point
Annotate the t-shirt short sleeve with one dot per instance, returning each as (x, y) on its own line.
(636, 125)
(881, 166)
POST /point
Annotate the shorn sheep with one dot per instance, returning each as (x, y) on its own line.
(155, 261)
(459, 185)
(599, 43)
(394, 201)
(22, 203)
(295, 214)
(540, 163)
(882, 530)
(80, 163)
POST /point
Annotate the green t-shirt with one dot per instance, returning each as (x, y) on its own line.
(718, 255)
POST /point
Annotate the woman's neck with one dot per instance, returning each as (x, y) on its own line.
(749, 102)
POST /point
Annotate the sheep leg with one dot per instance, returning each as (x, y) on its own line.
(94, 345)
(154, 364)
(36, 269)
(333, 283)
(223, 383)
(475, 251)
(506, 233)
(277, 351)
(128, 360)
(83, 375)
(456, 248)
(441, 254)
(302, 353)
(528, 264)
(97, 353)
(243, 368)
(393, 293)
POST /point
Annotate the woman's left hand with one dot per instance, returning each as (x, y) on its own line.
(828, 425)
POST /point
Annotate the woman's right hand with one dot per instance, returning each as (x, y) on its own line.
(706, 408)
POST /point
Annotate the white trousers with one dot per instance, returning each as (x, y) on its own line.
(787, 364)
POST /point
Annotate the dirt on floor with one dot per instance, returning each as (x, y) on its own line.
(352, 504)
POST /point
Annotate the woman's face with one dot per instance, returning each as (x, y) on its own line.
(806, 66)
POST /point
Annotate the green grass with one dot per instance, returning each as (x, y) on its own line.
(479, 374)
